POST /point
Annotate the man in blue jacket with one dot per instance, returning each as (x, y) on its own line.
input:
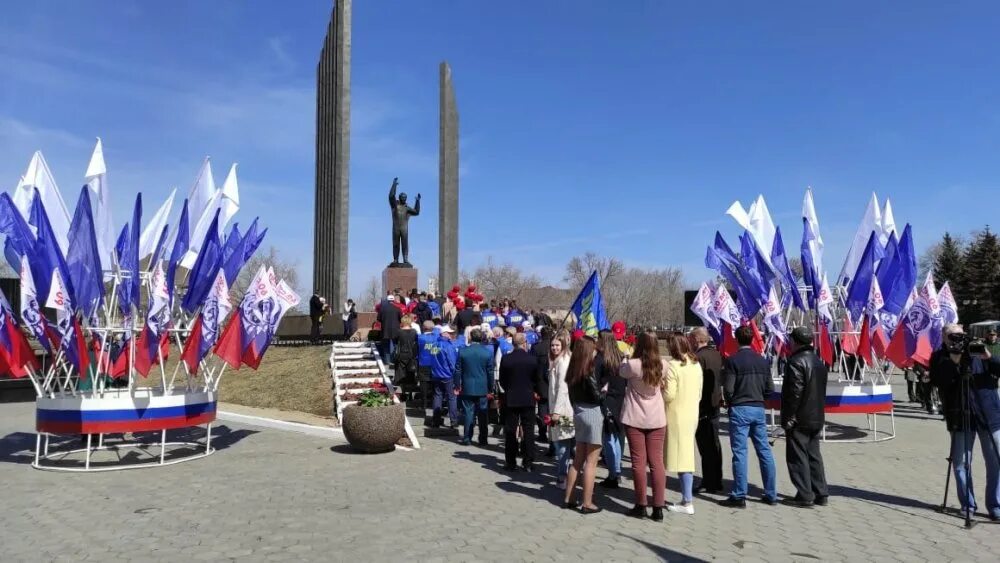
(474, 385)
(438, 355)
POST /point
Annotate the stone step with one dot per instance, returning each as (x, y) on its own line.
(364, 364)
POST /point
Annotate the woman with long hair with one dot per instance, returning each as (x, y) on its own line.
(560, 435)
(585, 396)
(645, 422)
(609, 361)
(681, 395)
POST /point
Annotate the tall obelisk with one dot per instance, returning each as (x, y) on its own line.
(333, 154)
(447, 184)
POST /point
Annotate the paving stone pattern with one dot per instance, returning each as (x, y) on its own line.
(270, 495)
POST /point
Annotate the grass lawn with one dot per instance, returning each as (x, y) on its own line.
(294, 378)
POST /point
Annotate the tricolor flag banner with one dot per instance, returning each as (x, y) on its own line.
(872, 342)
(71, 335)
(588, 308)
(31, 313)
(728, 314)
(772, 317)
(287, 299)
(15, 352)
(703, 307)
(249, 327)
(154, 341)
(825, 320)
(927, 303)
(949, 308)
(205, 332)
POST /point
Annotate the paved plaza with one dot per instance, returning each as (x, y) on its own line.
(275, 495)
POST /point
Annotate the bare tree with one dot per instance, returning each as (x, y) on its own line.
(501, 280)
(283, 270)
(371, 295)
(580, 267)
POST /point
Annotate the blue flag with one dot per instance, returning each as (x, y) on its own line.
(181, 244)
(47, 257)
(205, 268)
(861, 281)
(901, 281)
(720, 257)
(20, 240)
(155, 257)
(812, 278)
(780, 261)
(248, 244)
(756, 279)
(234, 240)
(589, 308)
(254, 245)
(128, 260)
(83, 259)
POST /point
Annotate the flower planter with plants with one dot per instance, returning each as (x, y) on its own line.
(376, 422)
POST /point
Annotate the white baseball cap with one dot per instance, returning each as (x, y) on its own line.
(447, 328)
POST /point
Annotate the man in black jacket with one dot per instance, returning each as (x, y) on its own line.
(541, 352)
(519, 378)
(707, 434)
(748, 383)
(389, 317)
(803, 398)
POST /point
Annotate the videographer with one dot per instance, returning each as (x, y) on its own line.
(966, 375)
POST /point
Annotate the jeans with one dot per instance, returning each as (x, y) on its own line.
(476, 410)
(687, 486)
(749, 421)
(387, 350)
(543, 411)
(613, 454)
(444, 388)
(646, 448)
(564, 456)
(961, 446)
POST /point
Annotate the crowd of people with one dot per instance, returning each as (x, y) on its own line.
(589, 396)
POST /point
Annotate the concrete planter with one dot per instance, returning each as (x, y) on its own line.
(374, 429)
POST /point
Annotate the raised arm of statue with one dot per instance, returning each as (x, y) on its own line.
(416, 207)
(392, 193)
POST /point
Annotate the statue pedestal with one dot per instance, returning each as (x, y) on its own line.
(402, 278)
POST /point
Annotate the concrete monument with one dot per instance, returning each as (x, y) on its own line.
(447, 183)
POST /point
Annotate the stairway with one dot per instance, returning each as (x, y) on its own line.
(356, 366)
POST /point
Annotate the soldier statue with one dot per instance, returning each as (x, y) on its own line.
(401, 214)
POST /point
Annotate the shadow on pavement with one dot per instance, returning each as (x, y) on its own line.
(663, 553)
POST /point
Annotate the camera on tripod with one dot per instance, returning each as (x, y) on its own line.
(960, 343)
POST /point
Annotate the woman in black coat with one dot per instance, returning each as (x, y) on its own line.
(609, 360)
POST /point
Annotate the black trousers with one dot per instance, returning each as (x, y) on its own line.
(710, 450)
(805, 463)
(317, 325)
(543, 410)
(525, 418)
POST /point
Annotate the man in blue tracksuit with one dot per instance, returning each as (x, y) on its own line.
(438, 354)
(489, 316)
(474, 382)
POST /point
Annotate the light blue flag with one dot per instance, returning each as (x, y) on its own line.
(589, 308)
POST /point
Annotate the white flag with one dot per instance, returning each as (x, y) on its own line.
(216, 309)
(725, 309)
(949, 308)
(872, 222)
(151, 234)
(229, 199)
(287, 299)
(38, 176)
(816, 240)
(702, 306)
(158, 316)
(888, 225)
(202, 202)
(96, 179)
(31, 313)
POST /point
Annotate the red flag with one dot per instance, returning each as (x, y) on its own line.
(191, 346)
(230, 344)
(896, 352)
(849, 340)
(758, 340)
(143, 362)
(865, 343)
(825, 345)
(729, 344)
(923, 354)
(879, 342)
(20, 353)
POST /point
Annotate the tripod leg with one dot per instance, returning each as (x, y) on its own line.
(947, 484)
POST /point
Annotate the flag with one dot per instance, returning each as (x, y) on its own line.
(231, 242)
(949, 308)
(151, 236)
(772, 317)
(203, 213)
(898, 283)
(31, 313)
(72, 343)
(229, 198)
(38, 180)
(84, 258)
(15, 351)
(205, 268)
(725, 310)
(888, 224)
(757, 221)
(702, 307)
(206, 328)
(47, 256)
(756, 274)
(154, 337)
(20, 239)
(588, 308)
(870, 223)
(926, 313)
(286, 300)
(721, 257)
(250, 325)
(824, 318)
(859, 290)
(127, 249)
(181, 243)
(780, 262)
(96, 180)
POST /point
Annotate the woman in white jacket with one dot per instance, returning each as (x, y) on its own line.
(561, 432)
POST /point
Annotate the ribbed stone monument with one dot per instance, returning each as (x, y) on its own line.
(333, 154)
(447, 184)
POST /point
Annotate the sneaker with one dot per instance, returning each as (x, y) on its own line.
(683, 508)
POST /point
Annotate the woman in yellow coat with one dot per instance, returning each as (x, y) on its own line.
(681, 394)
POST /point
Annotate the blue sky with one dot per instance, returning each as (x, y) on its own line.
(625, 131)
